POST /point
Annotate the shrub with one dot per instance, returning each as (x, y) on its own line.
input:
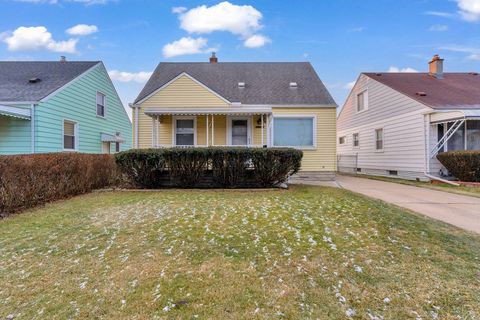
(228, 167)
(463, 165)
(30, 180)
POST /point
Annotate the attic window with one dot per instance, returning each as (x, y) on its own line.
(421, 94)
(293, 85)
(241, 84)
(34, 80)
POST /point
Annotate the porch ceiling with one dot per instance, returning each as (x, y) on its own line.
(208, 111)
(15, 112)
(453, 115)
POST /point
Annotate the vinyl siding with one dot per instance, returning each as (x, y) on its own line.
(15, 135)
(402, 120)
(323, 158)
(184, 92)
(77, 102)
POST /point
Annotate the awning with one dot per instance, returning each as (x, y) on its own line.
(112, 138)
(453, 115)
(208, 111)
(15, 112)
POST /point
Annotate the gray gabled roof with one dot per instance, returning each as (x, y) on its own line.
(15, 76)
(266, 83)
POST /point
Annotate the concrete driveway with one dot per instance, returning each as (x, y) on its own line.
(458, 210)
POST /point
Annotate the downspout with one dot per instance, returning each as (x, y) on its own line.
(135, 123)
(32, 125)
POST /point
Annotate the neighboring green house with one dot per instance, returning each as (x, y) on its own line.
(60, 107)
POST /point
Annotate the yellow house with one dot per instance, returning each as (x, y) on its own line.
(239, 104)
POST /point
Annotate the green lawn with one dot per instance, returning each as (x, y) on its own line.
(305, 253)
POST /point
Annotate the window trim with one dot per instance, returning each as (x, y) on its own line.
(75, 130)
(174, 133)
(344, 140)
(304, 116)
(375, 139)
(353, 140)
(104, 105)
(365, 101)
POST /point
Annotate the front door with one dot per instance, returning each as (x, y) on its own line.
(239, 132)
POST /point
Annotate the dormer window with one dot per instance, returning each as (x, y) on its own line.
(293, 85)
(241, 85)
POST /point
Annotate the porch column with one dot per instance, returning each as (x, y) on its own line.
(207, 124)
(154, 126)
(262, 131)
(157, 135)
(213, 129)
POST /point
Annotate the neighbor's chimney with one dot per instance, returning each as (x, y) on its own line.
(213, 58)
(436, 67)
(63, 59)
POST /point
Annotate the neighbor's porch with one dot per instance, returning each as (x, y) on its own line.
(204, 128)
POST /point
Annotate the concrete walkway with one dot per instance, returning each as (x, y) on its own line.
(458, 210)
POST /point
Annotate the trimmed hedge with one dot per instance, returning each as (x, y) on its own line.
(226, 167)
(30, 180)
(463, 165)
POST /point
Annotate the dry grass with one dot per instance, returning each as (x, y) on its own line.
(306, 253)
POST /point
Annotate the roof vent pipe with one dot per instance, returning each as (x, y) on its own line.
(293, 85)
(436, 67)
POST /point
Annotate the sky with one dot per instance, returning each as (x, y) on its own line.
(341, 38)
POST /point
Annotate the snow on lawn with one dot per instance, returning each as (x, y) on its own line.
(307, 252)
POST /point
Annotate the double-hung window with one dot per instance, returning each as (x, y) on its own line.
(362, 101)
(185, 132)
(295, 131)
(356, 140)
(101, 104)
(378, 139)
(69, 135)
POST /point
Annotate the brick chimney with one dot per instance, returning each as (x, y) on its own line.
(213, 58)
(436, 67)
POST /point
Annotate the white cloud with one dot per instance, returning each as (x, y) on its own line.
(121, 76)
(239, 20)
(185, 45)
(474, 56)
(403, 70)
(439, 27)
(256, 41)
(350, 85)
(440, 14)
(82, 30)
(469, 9)
(179, 9)
(37, 38)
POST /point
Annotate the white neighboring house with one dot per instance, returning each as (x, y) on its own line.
(394, 124)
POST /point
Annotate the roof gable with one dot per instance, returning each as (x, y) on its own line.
(454, 91)
(265, 83)
(53, 75)
(179, 83)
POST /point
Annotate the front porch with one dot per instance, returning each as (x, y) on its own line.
(455, 130)
(204, 128)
